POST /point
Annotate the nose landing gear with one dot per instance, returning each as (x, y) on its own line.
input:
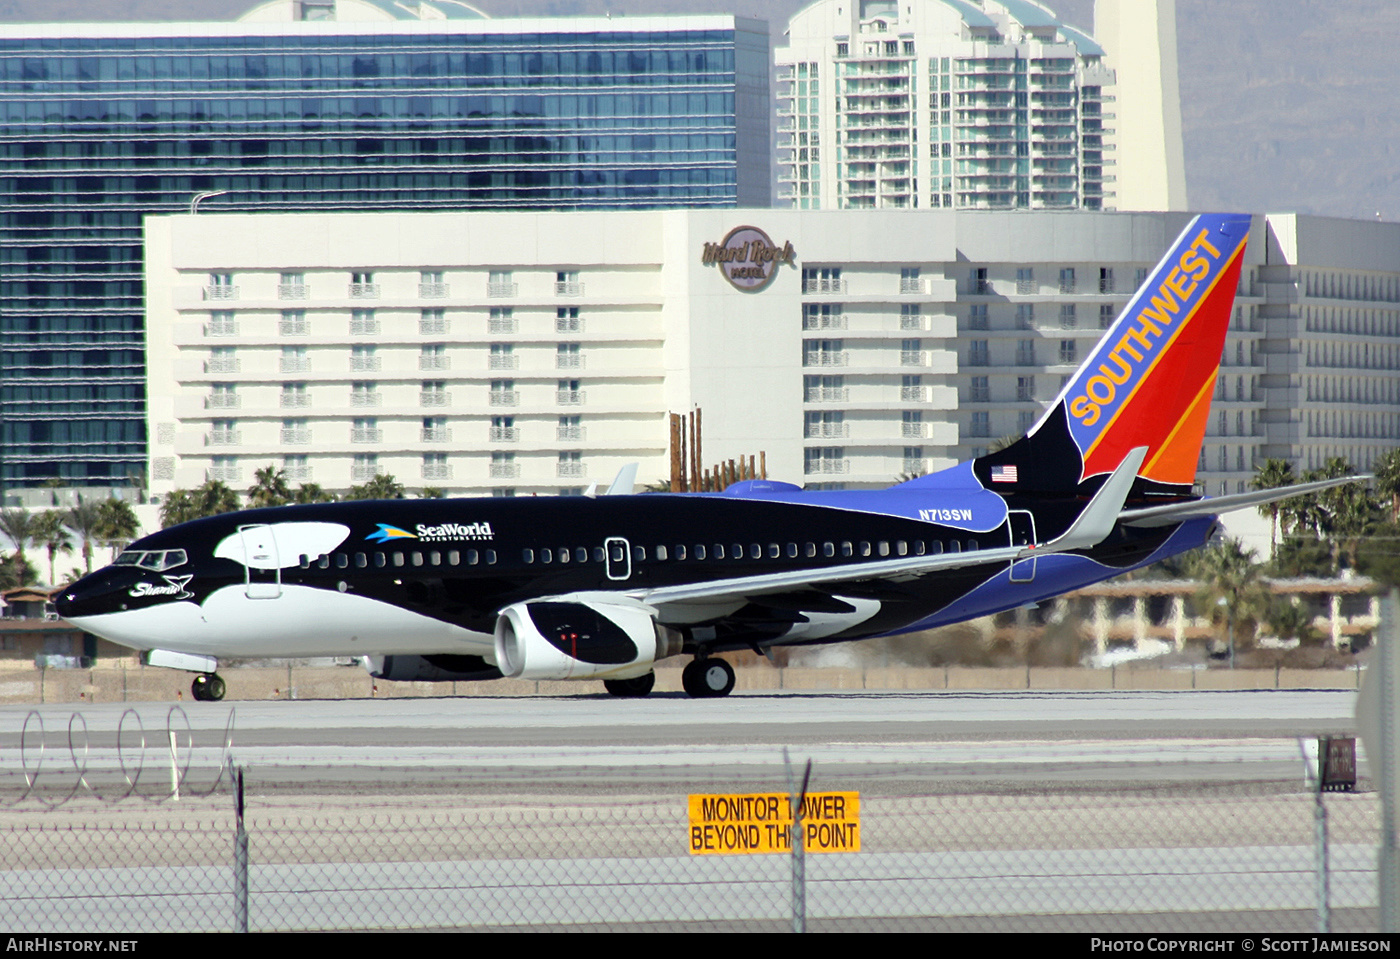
(208, 688)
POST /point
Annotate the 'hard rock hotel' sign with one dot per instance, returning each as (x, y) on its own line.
(747, 258)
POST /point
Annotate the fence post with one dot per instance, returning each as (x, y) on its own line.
(240, 858)
(799, 862)
(1324, 915)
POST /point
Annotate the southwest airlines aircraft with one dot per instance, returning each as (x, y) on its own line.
(603, 587)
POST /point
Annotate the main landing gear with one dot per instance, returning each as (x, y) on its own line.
(208, 688)
(708, 678)
(632, 688)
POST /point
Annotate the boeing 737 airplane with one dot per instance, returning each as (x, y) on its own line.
(603, 587)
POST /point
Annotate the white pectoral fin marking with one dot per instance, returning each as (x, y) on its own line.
(280, 545)
(821, 625)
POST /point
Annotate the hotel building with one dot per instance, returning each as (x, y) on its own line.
(319, 105)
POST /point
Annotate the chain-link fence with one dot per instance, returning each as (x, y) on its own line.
(1153, 848)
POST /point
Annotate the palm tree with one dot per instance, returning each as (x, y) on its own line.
(436, 492)
(1387, 472)
(181, 506)
(1232, 590)
(269, 488)
(1272, 475)
(312, 493)
(84, 519)
(117, 524)
(383, 486)
(53, 536)
(21, 527)
(15, 571)
(1291, 619)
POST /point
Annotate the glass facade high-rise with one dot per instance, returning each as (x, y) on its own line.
(987, 105)
(102, 124)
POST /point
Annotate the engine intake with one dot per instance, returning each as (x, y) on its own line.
(580, 640)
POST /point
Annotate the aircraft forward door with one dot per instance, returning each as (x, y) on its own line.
(1022, 534)
(619, 558)
(262, 571)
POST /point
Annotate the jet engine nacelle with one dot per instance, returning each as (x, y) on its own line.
(580, 640)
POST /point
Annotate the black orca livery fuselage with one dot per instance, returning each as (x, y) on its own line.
(586, 587)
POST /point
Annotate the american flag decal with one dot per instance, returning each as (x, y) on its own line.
(1003, 474)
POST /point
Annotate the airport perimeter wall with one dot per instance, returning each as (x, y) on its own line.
(126, 683)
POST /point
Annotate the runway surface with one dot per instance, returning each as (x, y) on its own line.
(1117, 735)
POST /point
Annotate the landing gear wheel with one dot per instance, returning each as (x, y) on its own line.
(708, 678)
(208, 688)
(635, 687)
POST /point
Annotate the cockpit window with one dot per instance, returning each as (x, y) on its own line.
(157, 561)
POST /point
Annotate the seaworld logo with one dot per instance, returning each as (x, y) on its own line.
(429, 534)
(386, 532)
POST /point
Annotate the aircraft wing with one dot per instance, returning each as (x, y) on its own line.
(1213, 506)
(1094, 523)
(895, 570)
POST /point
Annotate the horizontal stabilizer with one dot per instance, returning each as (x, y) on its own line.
(1177, 512)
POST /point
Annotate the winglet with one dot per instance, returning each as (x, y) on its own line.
(1097, 520)
(626, 481)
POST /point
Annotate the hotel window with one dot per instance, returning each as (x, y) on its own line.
(501, 320)
(432, 322)
(292, 286)
(222, 323)
(568, 357)
(503, 429)
(363, 358)
(293, 323)
(566, 320)
(430, 284)
(503, 357)
(570, 429)
(363, 323)
(499, 283)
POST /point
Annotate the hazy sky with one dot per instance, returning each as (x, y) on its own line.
(1287, 105)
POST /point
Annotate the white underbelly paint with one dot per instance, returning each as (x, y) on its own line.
(302, 621)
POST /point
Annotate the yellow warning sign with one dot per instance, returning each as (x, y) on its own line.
(762, 822)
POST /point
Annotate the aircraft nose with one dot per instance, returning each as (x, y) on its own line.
(96, 593)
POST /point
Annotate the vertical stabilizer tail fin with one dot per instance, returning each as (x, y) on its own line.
(1148, 381)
